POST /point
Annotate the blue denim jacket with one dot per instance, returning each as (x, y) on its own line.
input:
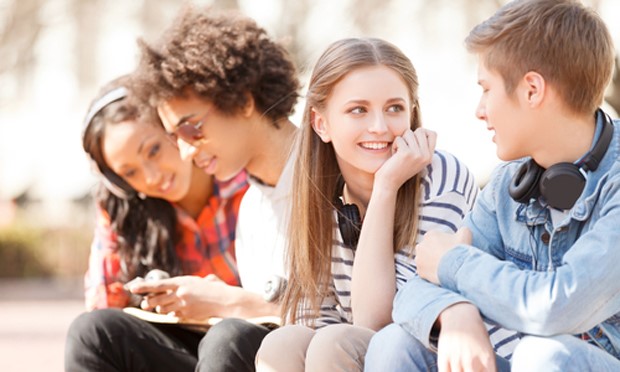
(567, 282)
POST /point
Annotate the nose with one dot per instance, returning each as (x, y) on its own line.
(481, 113)
(378, 124)
(186, 150)
(152, 175)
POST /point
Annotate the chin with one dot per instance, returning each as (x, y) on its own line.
(226, 176)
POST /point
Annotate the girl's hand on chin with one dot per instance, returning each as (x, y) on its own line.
(411, 152)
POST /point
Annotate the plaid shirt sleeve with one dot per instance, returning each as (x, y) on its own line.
(103, 287)
(208, 243)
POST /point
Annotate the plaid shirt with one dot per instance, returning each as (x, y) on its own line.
(206, 246)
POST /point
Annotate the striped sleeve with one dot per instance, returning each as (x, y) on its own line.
(448, 193)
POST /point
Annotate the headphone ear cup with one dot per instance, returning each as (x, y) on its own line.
(524, 185)
(350, 224)
(562, 184)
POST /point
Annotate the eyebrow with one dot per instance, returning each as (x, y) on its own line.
(366, 102)
(184, 118)
(144, 141)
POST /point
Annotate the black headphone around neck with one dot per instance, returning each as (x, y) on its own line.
(349, 219)
(561, 184)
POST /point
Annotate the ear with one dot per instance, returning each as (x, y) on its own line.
(250, 105)
(319, 124)
(535, 88)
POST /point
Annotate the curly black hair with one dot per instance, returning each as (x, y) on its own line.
(222, 56)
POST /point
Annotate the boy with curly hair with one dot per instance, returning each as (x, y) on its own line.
(224, 89)
(539, 252)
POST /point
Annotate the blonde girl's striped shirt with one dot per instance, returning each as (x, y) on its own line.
(448, 191)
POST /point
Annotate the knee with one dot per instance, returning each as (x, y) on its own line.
(90, 326)
(90, 332)
(338, 347)
(544, 354)
(334, 341)
(227, 331)
(226, 337)
(284, 349)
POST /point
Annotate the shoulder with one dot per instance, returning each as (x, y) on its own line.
(447, 173)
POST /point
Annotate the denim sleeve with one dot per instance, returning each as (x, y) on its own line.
(583, 291)
(417, 306)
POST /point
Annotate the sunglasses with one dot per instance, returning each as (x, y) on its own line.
(189, 132)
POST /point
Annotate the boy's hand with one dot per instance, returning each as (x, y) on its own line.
(464, 343)
(411, 152)
(186, 296)
(432, 248)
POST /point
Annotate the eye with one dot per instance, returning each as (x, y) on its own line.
(396, 108)
(357, 110)
(129, 173)
(154, 150)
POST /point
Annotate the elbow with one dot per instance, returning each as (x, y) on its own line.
(374, 322)
(553, 320)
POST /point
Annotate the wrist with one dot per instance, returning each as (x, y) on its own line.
(458, 313)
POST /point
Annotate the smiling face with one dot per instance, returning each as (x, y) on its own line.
(365, 111)
(226, 147)
(145, 157)
(504, 114)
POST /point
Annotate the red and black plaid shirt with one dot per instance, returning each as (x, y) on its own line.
(206, 246)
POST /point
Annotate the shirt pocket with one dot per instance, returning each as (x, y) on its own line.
(519, 258)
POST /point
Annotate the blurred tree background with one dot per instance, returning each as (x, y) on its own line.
(55, 54)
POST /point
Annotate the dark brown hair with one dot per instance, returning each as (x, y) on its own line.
(145, 228)
(222, 57)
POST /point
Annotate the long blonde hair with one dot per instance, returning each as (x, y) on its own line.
(316, 173)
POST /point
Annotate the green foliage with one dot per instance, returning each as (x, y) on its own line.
(18, 252)
(27, 251)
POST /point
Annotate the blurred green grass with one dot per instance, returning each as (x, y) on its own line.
(28, 251)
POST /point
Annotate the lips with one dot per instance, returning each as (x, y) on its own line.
(207, 164)
(166, 185)
(202, 160)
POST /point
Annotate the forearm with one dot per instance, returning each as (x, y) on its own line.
(373, 282)
(245, 304)
(548, 302)
(418, 305)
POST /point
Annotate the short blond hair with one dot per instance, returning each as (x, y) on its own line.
(565, 42)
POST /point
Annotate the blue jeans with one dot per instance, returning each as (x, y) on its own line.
(393, 349)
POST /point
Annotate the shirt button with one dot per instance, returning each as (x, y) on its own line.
(545, 238)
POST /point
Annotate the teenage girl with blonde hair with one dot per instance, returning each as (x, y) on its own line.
(364, 157)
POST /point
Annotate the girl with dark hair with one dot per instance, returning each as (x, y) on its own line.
(155, 211)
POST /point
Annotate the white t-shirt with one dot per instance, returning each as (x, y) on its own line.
(262, 230)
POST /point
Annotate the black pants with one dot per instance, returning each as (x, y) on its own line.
(111, 340)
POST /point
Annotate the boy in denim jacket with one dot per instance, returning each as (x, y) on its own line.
(540, 253)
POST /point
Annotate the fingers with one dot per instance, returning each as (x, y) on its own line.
(421, 142)
(213, 278)
(155, 301)
(157, 286)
